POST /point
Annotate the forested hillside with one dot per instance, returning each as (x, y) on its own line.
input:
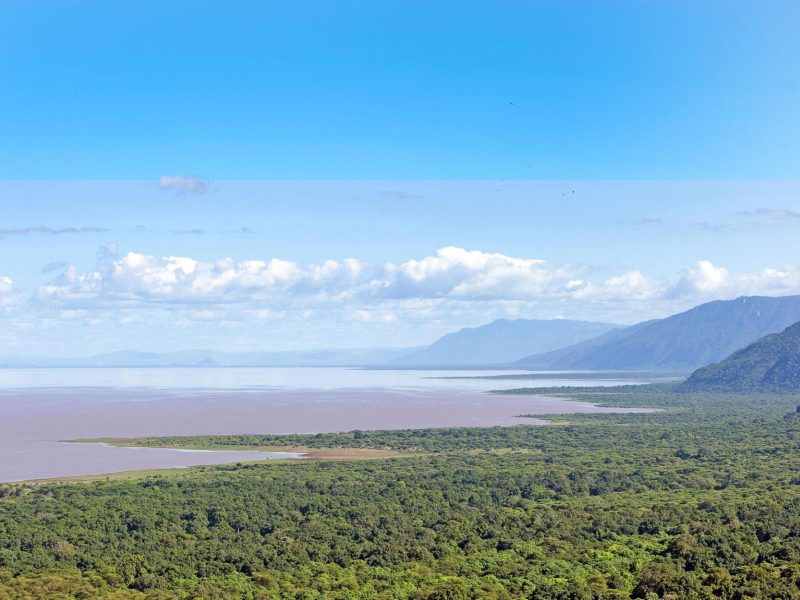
(772, 364)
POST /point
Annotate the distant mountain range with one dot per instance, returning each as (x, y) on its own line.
(209, 358)
(705, 334)
(500, 342)
(683, 342)
(769, 364)
(550, 361)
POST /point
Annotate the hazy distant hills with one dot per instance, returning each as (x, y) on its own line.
(209, 358)
(705, 334)
(501, 341)
(769, 364)
(569, 354)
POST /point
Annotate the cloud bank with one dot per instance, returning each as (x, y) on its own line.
(450, 275)
(138, 300)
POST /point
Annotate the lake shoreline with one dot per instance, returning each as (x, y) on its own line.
(34, 418)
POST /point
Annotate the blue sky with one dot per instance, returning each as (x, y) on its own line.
(263, 175)
(399, 90)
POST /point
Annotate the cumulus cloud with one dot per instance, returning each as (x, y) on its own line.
(288, 303)
(474, 275)
(41, 230)
(137, 277)
(706, 281)
(9, 296)
(5, 284)
(629, 286)
(183, 185)
(452, 283)
(452, 273)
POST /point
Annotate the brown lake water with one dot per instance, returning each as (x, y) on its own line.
(40, 407)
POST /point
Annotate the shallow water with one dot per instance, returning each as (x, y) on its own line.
(36, 412)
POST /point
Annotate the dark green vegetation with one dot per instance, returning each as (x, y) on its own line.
(701, 500)
(705, 334)
(770, 364)
(501, 341)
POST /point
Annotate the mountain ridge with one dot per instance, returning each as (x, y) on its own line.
(210, 358)
(501, 341)
(699, 336)
(770, 364)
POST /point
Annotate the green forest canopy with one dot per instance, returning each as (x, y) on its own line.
(701, 500)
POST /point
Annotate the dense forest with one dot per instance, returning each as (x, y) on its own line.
(699, 500)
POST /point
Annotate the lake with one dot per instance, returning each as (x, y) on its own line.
(41, 407)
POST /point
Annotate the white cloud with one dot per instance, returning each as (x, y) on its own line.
(474, 275)
(706, 281)
(140, 278)
(263, 314)
(374, 316)
(705, 278)
(628, 286)
(73, 313)
(130, 299)
(452, 275)
(10, 296)
(183, 185)
(5, 284)
(276, 303)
